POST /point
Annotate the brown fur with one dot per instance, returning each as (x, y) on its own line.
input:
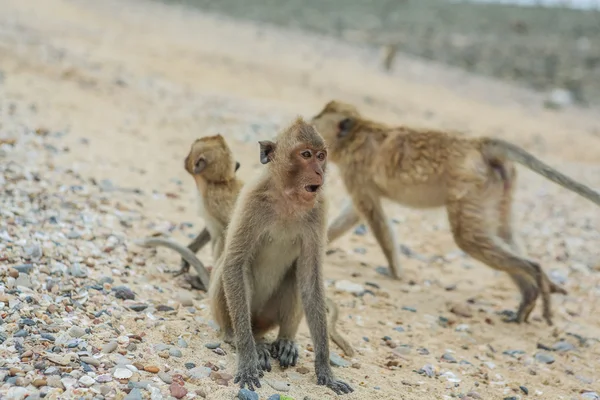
(212, 165)
(272, 262)
(473, 177)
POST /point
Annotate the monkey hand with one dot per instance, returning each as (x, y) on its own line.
(327, 379)
(248, 374)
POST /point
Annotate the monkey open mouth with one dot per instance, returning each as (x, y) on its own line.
(312, 188)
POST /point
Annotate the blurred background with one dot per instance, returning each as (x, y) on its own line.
(548, 45)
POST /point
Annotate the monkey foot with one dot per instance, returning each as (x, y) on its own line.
(339, 387)
(285, 351)
(264, 356)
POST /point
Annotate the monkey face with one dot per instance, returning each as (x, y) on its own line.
(335, 122)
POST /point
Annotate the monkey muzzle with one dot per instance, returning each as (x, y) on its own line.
(312, 188)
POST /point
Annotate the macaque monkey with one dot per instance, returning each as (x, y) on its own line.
(473, 177)
(210, 162)
(212, 165)
(271, 265)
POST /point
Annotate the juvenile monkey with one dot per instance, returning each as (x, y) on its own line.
(272, 262)
(212, 165)
(473, 177)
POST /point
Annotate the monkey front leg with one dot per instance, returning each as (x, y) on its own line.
(235, 283)
(195, 245)
(347, 218)
(312, 292)
(372, 211)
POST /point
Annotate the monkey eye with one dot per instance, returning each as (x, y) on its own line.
(306, 154)
(321, 156)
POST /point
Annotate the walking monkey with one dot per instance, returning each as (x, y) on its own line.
(474, 178)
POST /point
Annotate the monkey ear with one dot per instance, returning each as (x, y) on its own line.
(237, 166)
(345, 126)
(200, 165)
(267, 148)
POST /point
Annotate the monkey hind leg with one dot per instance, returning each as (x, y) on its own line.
(472, 234)
(287, 308)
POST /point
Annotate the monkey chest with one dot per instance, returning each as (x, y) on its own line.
(276, 256)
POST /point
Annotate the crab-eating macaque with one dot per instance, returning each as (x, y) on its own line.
(270, 272)
(474, 178)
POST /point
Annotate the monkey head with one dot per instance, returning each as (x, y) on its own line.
(211, 158)
(298, 160)
(337, 122)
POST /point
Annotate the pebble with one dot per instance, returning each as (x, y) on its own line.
(173, 352)
(544, 358)
(177, 390)
(165, 377)
(135, 394)
(189, 365)
(124, 293)
(303, 370)
(213, 345)
(278, 385)
(524, 389)
(199, 372)
(182, 343)
(563, 346)
(109, 347)
(590, 395)
(90, 360)
(245, 394)
(350, 287)
(185, 298)
(76, 332)
(87, 380)
(411, 309)
(337, 361)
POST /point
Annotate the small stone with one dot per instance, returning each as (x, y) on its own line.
(54, 381)
(590, 395)
(462, 310)
(87, 381)
(68, 382)
(350, 287)
(173, 352)
(563, 346)
(199, 372)
(524, 389)
(21, 333)
(182, 343)
(279, 385)
(189, 365)
(135, 394)
(212, 346)
(76, 331)
(474, 395)
(109, 347)
(104, 378)
(152, 369)
(123, 293)
(122, 373)
(245, 394)
(303, 370)
(360, 230)
(544, 358)
(337, 361)
(449, 358)
(219, 351)
(138, 307)
(165, 377)
(39, 382)
(164, 308)
(177, 390)
(411, 309)
(274, 397)
(185, 298)
(385, 271)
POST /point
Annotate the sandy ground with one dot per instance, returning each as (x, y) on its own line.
(132, 84)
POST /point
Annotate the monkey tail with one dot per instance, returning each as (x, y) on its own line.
(500, 149)
(183, 251)
(333, 333)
